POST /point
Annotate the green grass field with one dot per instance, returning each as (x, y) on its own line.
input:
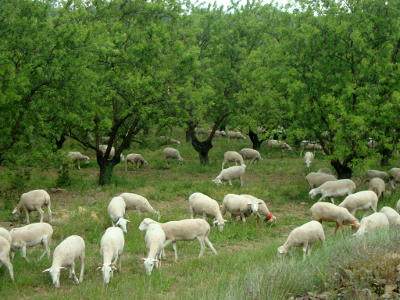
(247, 265)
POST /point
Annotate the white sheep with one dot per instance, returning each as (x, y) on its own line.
(262, 208)
(326, 171)
(315, 179)
(103, 149)
(332, 189)
(375, 173)
(308, 158)
(155, 239)
(116, 211)
(235, 135)
(77, 157)
(5, 256)
(232, 156)
(183, 230)
(373, 222)
(219, 133)
(307, 146)
(64, 255)
(168, 140)
(328, 212)
(136, 159)
(33, 201)
(200, 204)
(32, 235)
(377, 185)
(172, 153)
(392, 215)
(304, 236)
(240, 205)
(139, 203)
(360, 201)
(394, 176)
(229, 174)
(250, 154)
(111, 247)
(278, 144)
(5, 234)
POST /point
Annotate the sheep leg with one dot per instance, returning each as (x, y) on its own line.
(204, 216)
(230, 182)
(191, 212)
(243, 217)
(79, 164)
(23, 252)
(82, 267)
(49, 212)
(305, 251)
(241, 180)
(166, 243)
(7, 263)
(175, 251)
(336, 228)
(202, 246)
(210, 245)
(332, 200)
(322, 198)
(72, 270)
(27, 216)
(47, 249)
(70, 273)
(41, 212)
(223, 164)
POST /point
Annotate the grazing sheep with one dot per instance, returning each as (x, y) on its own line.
(278, 144)
(168, 140)
(77, 157)
(262, 208)
(5, 256)
(155, 239)
(240, 205)
(111, 248)
(235, 135)
(360, 201)
(33, 201)
(394, 177)
(332, 189)
(326, 171)
(328, 212)
(372, 223)
(172, 153)
(103, 149)
(229, 174)
(139, 203)
(136, 159)
(377, 185)
(232, 156)
(250, 154)
(304, 236)
(64, 255)
(308, 158)
(315, 179)
(392, 215)
(116, 211)
(219, 133)
(5, 234)
(375, 173)
(32, 235)
(183, 230)
(200, 204)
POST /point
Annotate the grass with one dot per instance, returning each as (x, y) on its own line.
(247, 265)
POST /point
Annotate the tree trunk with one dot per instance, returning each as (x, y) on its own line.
(202, 148)
(188, 137)
(255, 140)
(106, 170)
(60, 141)
(386, 155)
(342, 169)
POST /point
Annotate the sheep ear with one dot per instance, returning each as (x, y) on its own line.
(47, 270)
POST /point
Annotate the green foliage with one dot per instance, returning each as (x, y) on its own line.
(63, 178)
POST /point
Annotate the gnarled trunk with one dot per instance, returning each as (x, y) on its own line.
(106, 170)
(386, 154)
(187, 136)
(202, 148)
(60, 142)
(255, 140)
(342, 169)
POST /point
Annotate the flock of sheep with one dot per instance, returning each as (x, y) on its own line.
(159, 235)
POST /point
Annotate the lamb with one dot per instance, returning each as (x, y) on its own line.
(328, 212)
(136, 159)
(172, 153)
(183, 230)
(326, 171)
(377, 185)
(5, 256)
(332, 189)
(155, 239)
(308, 158)
(232, 156)
(262, 208)
(304, 236)
(240, 205)
(372, 223)
(77, 157)
(200, 204)
(111, 248)
(116, 211)
(103, 149)
(235, 135)
(375, 173)
(33, 201)
(360, 201)
(64, 255)
(139, 203)
(392, 215)
(250, 154)
(229, 174)
(5, 234)
(315, 179)
(32, 235)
